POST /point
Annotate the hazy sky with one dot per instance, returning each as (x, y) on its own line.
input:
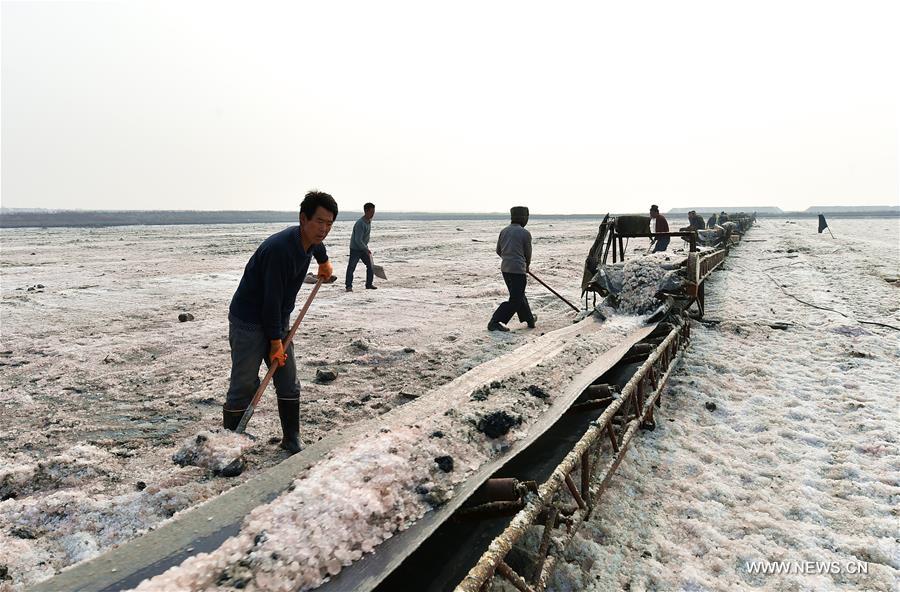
(452, 106)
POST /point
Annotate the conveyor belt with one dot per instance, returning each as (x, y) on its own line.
(205, 527)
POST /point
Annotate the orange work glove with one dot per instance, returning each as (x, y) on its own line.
(325, 270)
(276, 353)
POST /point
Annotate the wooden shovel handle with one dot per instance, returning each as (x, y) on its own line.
(273, 367)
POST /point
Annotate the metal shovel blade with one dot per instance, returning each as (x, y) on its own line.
(379, 271)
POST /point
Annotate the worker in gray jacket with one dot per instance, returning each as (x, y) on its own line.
(359, 248)
(514, 247)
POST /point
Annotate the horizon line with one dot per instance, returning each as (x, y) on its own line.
(439, 212)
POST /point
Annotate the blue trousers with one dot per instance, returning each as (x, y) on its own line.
(662, 243)
(249, 348)
(357, 255)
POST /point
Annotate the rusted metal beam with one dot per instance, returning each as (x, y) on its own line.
(514, 578)
(561, 518)
(544, 547)
(500, 546)
(486, 585)
(543, 579)
(635, 394)
(640, 391)
(574, 491)
(629, 434)
(586, 476)
(612, 437)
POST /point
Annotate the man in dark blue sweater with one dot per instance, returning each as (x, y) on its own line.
(260, 312)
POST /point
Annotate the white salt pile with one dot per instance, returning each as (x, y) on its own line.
(641, 278)
(342, 508)
(218, 450)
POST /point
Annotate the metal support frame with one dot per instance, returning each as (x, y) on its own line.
(605, 440)
(699, 267)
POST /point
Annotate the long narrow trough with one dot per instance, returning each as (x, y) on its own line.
(512, 518)
(205, 527)
(571, 461)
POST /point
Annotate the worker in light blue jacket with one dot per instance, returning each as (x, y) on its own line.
(359, 248)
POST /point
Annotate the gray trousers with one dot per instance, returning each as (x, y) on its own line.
(249, 348)
(357, 255)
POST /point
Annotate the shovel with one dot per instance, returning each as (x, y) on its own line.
(287, 341)
(555, 293)
(377, 269)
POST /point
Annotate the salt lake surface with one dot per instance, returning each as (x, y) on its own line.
(101, 383)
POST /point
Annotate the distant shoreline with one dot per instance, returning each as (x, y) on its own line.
(100, 219)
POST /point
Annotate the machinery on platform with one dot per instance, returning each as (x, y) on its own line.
(705, 250)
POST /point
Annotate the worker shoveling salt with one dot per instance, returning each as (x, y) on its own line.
(220, 451)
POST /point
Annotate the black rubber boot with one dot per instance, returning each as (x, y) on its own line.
(231, 419)
(289, 414)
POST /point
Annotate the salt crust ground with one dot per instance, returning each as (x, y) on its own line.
(180, 487)
(800, 461)
(96, 358)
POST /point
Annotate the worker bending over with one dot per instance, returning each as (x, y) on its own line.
(260, 312)
(695, 222)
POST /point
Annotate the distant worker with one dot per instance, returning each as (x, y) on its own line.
(514, 248)
(695, 221)
(260, 311)
(723, 217)
(658, 223)
(712, 221)
(359, 248)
